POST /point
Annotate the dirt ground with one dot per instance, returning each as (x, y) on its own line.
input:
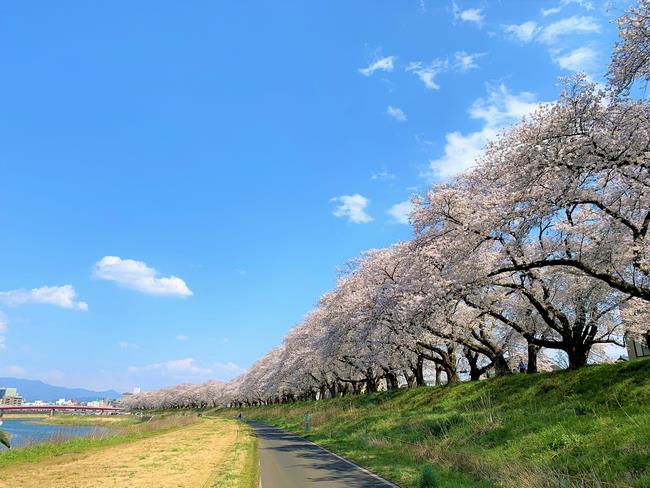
(188, 457)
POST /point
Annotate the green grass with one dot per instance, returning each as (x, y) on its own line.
(586, 428)
(241, 468)
(146, 427)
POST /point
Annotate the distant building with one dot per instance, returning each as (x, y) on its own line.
(10, 396)
(97, 403)
(136, 390)
(12, 400)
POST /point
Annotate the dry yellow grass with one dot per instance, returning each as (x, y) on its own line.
(186, 457)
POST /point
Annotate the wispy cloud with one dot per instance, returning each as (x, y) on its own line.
(182, 337)
(127, 345)
(400, 212)
(396, 113)
(58, 296)
(176, 366)
(14, 370)
(525, 32)
(4, 327)
(228, 369)
(468, 15)
(464, 61)
(382, 64)
(580, 59)
(553, 33)
(428, 72)
(136, 275)
(550, 11)
(500, 109)
(382, 176)
(352, 207)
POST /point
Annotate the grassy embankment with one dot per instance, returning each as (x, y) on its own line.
(186, 451)
(586, 428)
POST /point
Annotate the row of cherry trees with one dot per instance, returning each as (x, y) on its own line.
(542, 246)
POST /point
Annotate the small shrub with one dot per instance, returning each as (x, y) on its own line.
(428, 478)
(440, 427)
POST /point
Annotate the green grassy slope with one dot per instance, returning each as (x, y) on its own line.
(586, 428)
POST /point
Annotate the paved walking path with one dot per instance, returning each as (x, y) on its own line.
(288, 461)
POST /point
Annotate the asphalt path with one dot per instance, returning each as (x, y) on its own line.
(288, 461)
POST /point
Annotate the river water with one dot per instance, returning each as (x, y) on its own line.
(25, 431)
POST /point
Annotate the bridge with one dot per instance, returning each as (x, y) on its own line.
(53, 408)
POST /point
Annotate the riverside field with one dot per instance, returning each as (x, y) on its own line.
(163, 451)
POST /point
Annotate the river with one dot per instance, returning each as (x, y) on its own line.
(25, 431)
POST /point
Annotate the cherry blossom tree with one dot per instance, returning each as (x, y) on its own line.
(631, 56)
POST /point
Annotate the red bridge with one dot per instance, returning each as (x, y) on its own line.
(53, 408)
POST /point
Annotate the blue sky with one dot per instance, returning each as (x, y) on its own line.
(180, 180)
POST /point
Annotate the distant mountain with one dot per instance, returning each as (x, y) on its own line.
(33, 390)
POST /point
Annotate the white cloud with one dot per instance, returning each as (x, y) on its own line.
(522, 32)
(4, 327)
(176, 366)
(552, 33)
(383, 64)
(13, 370)
(500, 109)
(382, 176)
(428, 72)
(469, 15)
(228, 368)
(464, 61)
(136, 275)
(397, 113)
(59, 296)
(550, 11)
(580, 59)
(182, 337)
(3, 323)
(127, 345)
(586, 4)
(53, 376)
(401, 212)
(353, 208)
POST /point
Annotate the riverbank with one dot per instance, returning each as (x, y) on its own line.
(585, 428)
(148, 426)
(170, 451)
(79, 420)
(111, 421)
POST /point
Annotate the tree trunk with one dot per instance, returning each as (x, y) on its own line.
(392, 383)
(419, 372)
(474, 371)
(438, 374)
(533, 350)
(501, 367)
(578, 354)
(410, 379)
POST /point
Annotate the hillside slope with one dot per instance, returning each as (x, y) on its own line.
(585, 428)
